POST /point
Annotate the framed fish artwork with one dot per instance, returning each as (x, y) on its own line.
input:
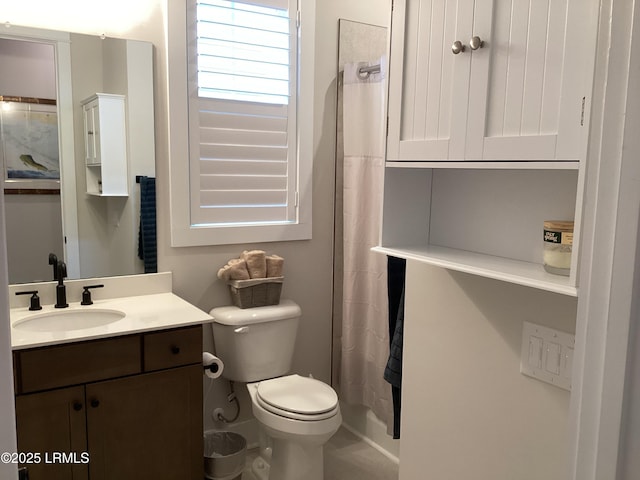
(29, 142)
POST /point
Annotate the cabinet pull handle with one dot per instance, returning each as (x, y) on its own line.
(95, 403)
(175, 350)
(457, 47)
(475, 43)
(77, 406)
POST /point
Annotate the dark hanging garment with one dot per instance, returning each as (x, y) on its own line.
(147, 240)
(396, 271)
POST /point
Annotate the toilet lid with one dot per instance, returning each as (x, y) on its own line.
(296, 394)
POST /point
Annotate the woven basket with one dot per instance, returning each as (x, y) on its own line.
(258, 292)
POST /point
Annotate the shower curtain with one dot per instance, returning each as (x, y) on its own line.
(365, 335)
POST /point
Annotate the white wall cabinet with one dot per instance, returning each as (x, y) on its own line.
(105, 140)
(485, 145)
(518, 92)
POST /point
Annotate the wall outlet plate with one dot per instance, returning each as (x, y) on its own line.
(547, 354)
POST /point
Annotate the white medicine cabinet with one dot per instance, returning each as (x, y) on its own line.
(488, 126)
(105, 140)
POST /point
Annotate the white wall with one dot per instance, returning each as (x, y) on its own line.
(467, 412)
(28, 69)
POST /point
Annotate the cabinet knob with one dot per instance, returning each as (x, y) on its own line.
(95, 403)
(475, 43)
(457, 47)
(77, 406)
(175, 350)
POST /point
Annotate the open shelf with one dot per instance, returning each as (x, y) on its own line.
(486, 222)
(95, 194)
(564, 165)
(489, 266)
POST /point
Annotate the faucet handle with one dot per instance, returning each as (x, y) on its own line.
(35, 299)
(86, 294)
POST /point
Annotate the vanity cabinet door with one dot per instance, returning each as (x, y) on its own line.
(147, 426)
(51, 422)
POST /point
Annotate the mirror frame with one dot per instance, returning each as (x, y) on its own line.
(61, 43)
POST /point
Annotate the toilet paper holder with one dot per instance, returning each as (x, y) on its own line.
(213, 368)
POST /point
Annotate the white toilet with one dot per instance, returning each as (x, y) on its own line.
(299, 414)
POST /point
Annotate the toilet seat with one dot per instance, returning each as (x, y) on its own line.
(298, 398)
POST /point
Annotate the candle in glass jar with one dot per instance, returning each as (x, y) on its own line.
(558, 242)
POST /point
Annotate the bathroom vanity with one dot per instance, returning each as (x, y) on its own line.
(120, 400)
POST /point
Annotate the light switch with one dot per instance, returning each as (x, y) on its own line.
(546, 354)
(567, 354)
(535, 352)
(552, 360)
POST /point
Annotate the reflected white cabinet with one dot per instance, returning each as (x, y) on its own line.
(515, 90)
(105, 140)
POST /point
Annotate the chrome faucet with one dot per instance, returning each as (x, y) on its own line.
(61, 289)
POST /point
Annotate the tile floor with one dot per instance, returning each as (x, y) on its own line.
(347, 457)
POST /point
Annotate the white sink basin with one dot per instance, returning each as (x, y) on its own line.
(64, 320)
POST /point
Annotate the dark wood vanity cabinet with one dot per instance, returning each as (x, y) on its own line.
(136, 412)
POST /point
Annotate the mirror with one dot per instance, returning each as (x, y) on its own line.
(48, 76)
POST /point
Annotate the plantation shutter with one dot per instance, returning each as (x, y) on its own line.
(243, 102)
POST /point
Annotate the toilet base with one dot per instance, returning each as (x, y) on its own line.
(291, 461)
(260, 468)
(297, 447)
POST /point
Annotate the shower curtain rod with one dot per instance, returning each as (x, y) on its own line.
(364, 72)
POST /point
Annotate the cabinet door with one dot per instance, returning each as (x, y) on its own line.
(91, 124)
(51, 422)
(530, 80)
(428, 83)
(147, 426)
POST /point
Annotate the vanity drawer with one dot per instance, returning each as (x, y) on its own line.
(172, 348)
(77, 363)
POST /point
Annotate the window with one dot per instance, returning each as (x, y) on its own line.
(249, 90)
(244, 51)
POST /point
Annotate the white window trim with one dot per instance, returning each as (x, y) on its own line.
(183, 234)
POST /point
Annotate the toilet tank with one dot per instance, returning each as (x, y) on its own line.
(255, 343)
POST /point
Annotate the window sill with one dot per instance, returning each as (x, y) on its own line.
(231, 235)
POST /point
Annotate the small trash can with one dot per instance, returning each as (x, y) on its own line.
(224, 455)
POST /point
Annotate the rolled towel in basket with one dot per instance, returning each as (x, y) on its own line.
(236, 269)
(275, 266)
(256, 263)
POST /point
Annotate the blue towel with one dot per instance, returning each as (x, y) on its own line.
(396, 270)
(147, 240)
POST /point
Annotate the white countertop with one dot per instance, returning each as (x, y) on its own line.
(144, 313)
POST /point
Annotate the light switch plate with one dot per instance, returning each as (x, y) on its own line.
(547, 354)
